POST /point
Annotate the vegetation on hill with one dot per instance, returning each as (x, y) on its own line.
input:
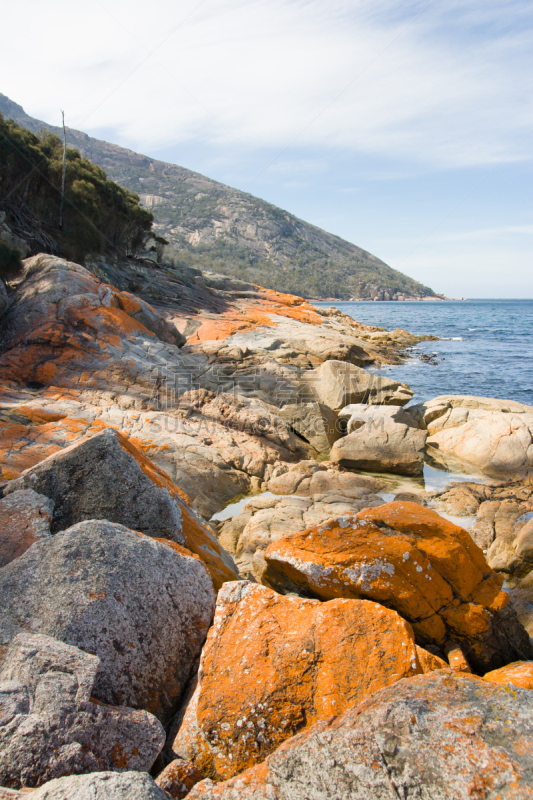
(211, 226)
(98, 215)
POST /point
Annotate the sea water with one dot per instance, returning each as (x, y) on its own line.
(485, 347)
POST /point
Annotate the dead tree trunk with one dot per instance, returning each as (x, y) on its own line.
(63, 173)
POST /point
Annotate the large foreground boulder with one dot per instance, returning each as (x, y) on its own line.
(25, 518)
(439, 736)
(491, 436)
(142, 606)
(48, 725)
(274, 665)
(381, 439)
(408, 558)
(107, 477)
(100, 786)
(337, 383)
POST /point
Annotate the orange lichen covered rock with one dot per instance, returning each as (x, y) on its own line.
(64, 323)
(274, 665)
(428, 661)
(198, 538)
(37, 434)
(442, 736)
(178, 778)
(520, 674)
(456, 657)
(408, 558)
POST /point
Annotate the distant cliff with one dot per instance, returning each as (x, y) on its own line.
(212, 226)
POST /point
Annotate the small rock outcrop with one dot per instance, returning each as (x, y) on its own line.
(25, 518)
(381, 439)
(142, 606)
(274, 665)
(314, 422)
(408, 558)
(494, 437)
(442, 736)
(513, 555)
(338, 383)
(49, 727)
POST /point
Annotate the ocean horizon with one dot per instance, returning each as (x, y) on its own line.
(485, 346)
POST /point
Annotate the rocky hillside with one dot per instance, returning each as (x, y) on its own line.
(212, 226)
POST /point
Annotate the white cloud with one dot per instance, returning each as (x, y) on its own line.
(444, 83)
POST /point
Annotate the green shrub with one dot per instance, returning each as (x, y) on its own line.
(98, 215)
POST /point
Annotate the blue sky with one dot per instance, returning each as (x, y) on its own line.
(405, 127)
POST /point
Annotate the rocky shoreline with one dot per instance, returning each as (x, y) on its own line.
(345, 633)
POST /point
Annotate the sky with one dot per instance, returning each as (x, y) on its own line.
(403, 126)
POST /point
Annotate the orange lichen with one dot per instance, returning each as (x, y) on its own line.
(430, 662)
(255, 313)
(519, 673)
(402, 555)
(194, 531)
(273, 666)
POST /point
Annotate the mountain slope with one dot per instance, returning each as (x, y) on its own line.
(214, 227)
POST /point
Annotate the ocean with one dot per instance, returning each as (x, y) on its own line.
(485, 347)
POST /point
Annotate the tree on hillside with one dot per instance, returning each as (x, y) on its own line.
(99, 216)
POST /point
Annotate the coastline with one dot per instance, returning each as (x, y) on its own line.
(135, 405)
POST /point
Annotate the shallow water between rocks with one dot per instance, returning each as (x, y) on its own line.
(433, 480)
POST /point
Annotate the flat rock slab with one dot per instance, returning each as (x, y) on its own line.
(274, 665)
(408, 558)
(439, 736)
(142, 606)
(25, 518)
(48, 725)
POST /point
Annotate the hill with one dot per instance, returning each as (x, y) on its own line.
(213, 227)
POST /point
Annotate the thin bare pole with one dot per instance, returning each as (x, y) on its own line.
(63, 175)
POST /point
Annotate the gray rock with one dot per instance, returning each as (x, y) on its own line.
(479, 435)
(141, 606)
(379, 443)
(315, 422)
(356, 414)
(48, 725)
(101, 786)
(99, 479)
(520, 559)
(441, 736)
(25, 518)
(338, 383)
